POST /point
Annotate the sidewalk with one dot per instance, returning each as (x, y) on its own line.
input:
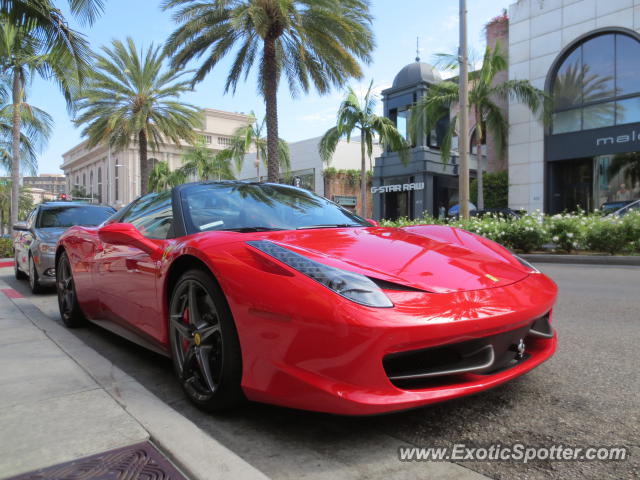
(61, 401)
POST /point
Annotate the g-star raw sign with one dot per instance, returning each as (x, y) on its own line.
(400, 187)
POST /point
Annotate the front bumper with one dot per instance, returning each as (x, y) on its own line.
(45, 264)
(327, 354)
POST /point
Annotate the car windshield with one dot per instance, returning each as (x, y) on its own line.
(64, 216)
(260, 207)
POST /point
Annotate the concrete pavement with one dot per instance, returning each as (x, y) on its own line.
(61, 401)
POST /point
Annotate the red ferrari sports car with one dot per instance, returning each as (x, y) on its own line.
(271, 293)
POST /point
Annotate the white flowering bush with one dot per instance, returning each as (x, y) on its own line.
(535, 231)
(567, 230)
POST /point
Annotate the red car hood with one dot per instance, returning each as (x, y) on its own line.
(433, 258)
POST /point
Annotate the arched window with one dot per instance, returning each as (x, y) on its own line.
(84, 181)
(91, 182)
(596, 84)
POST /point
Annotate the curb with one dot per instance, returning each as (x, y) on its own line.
(611, 260)
(191, 449)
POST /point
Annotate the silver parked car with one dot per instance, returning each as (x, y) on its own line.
(629, 207)
(36, 238)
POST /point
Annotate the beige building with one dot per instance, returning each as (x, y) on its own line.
(306, 165)
(114, 177)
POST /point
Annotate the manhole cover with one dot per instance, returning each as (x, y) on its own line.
(137, 462)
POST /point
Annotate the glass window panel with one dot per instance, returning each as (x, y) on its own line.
(598, 115)
(401, 123)
(598, 68)
(567, 121)
(567, 87)
(627, 65)
(628, 111)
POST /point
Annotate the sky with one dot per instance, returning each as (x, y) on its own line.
(396, 25)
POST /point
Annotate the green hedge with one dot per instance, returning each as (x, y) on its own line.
(562, 233)
(495, 188)
(6, 248)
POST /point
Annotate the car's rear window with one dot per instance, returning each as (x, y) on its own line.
(69, 216)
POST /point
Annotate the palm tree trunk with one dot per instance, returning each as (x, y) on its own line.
(363, 177)
(480, 204)
(270, 93)
(144, 164)
(15, 159)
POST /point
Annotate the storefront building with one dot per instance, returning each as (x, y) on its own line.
(586, 55)
(425, 184)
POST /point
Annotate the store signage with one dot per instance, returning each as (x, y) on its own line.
(589, 143)
(626, 138)
(400, 187)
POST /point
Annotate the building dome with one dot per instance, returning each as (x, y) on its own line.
(415, 73)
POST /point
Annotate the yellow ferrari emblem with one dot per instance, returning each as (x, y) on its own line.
(197, 339)
(491, 277)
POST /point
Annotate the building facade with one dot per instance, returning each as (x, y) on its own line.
(53, 184)
(307, 169)
(586, 54)
(114, 177)
(426, 184)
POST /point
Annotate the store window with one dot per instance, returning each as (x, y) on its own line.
(596, 84)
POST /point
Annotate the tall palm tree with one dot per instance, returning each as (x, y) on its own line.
(354, 115)
(162, 178)
(49, 26)
(205, 164)
(36, 128)
(22, 56)
(311, 42)
(132, 95)
(484, 91)
(251, 138)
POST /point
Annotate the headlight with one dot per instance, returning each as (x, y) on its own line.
(353, 286)
(47, 248)
(526, 264)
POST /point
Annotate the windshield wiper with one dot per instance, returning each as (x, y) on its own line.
(331, 225)
(251, 229)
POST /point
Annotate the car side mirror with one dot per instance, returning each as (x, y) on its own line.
(128, 235)
(21, 227)
(375, 223)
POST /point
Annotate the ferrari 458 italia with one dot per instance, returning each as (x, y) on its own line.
(271, 293)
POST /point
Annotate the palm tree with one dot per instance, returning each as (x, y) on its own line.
(251, 137)
(49, 26)
(23, 55)
(36, 126)
(162, 178)
(205, 164)
(132, 96)
(442, 97)
(353, 115)
(311, 42)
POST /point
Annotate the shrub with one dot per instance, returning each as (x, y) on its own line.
(495, 188)
(567, 231)
(6, 248)
(525, 234)
(606, 234)
(631, 227)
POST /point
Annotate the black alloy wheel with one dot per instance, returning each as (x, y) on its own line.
(204, 342)
(34, 279)
(70, 311)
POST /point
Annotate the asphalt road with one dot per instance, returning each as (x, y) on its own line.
(587, 394)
